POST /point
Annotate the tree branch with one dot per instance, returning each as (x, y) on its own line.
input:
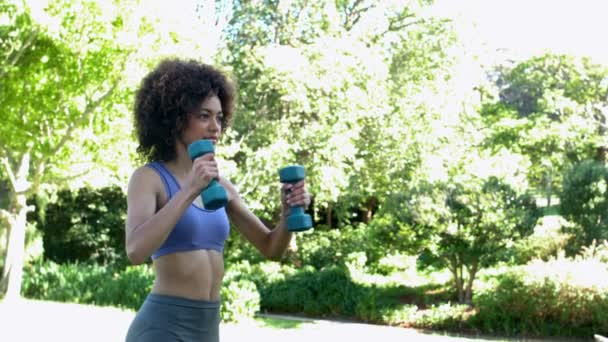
(83, 117)
(9, 172)
(68, 178)
(15, 58)
(357, 16)
(8, 154)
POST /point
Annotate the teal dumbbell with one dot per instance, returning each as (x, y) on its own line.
(297, 220)
(214, 195)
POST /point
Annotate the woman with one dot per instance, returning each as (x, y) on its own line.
(178, 103)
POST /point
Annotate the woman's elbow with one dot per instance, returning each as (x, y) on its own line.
(134, 256)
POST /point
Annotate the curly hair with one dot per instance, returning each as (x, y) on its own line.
(167, 95)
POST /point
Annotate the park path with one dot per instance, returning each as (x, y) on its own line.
(30, 320)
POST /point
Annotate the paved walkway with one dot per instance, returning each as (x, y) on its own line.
(29, 320)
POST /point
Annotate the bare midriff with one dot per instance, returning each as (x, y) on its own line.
(194, 274)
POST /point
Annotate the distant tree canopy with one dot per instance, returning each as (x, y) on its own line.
(553, 110)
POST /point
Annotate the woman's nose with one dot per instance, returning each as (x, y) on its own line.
(215, 125)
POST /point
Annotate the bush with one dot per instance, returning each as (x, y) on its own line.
(125, 288)
(584, 201)
(329, 292)
(555, 298)
(86, 225)
(87, 283)
(547, 241)
(240, 300)
(330, 247)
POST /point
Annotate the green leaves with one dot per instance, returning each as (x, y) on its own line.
(61, 85)
(328, 87)
(460, 224)
(551, 110)
(584, 201)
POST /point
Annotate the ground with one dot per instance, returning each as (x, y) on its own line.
(29, 320)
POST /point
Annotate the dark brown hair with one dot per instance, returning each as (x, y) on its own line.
(167, 95)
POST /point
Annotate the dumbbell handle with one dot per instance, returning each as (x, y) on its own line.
(214, 195)
(297, 220)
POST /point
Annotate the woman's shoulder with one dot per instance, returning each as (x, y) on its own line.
(145, 174)
(145, 170)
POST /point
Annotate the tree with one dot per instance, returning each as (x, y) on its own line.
(68, 70)
(60, 93)
(316, 85)
(553, 109)
(464, 225)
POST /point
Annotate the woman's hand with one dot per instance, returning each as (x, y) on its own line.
(294, 195)
(204, 170)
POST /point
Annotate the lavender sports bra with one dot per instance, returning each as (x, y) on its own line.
(198, 228)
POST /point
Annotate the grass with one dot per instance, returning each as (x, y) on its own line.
(278, 323)
(551, 210)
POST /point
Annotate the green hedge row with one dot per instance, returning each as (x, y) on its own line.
(125, 288)
(514, 303)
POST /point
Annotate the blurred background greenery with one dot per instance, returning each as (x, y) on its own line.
(457, 186)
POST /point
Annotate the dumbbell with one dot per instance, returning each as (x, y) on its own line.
(214, 195)
(297, 220)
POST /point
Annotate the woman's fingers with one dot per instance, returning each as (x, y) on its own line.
(297, 195)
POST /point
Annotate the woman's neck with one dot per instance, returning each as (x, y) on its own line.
(181, 164)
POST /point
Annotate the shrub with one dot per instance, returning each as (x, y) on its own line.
(87, 283)
(330, 247)
(328, 292)
(554, 298)
(547, 241)
(584, 201)
(240, 300)
(125, 288)
(86, 225)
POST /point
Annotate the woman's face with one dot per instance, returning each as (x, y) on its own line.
(206, 123)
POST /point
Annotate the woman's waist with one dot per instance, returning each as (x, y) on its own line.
(187, 288)
(194, 274)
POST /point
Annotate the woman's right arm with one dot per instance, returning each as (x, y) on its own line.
(147, 229)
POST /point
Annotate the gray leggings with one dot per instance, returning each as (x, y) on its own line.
(167, 319)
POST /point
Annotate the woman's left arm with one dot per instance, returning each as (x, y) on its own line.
(271, 243)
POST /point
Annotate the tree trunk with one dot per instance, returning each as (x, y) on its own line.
(12, 273)
(369, 209)
(549, 187)
(468, 298)
(458, 283)
(600, 154)
(15, 251)
(328, 215)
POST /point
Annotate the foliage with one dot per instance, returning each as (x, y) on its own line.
(240, 301)
(560, 297)
(584, 202)
(87, 283)
(315, 88)
(547, 241)
(461, 225)
(331, 247)
(85, 225)
(126, 288)
(64, 88)
(62, 97)
(551, 108)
